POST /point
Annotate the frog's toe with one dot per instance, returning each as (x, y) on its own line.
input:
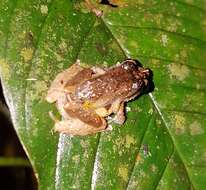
(119, 119)
(109, 128)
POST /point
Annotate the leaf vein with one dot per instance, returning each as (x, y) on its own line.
(29, 71)
(140, 145)
(173, 140)
(191, 5)
(162, 173)
(162, 30)
(172, 61)
(186, 111)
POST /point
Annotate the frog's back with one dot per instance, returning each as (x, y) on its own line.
(115, 83)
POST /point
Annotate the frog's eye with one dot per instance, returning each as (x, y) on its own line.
(137, 62)
(131, 64)
(133, 61)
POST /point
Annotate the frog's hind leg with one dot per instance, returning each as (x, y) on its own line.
(75, 126)
(87, 116)
(57, 86)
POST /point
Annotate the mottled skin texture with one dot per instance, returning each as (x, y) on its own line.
(85, 96)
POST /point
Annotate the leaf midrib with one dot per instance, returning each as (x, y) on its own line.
(155, 104)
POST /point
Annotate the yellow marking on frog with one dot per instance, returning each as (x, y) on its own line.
(88, 105)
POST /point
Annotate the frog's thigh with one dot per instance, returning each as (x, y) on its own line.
(120, 117)
(87, 116)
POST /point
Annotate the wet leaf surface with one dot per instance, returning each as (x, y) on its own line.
(162, 143)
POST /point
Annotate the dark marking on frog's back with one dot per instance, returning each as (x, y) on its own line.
(81, 76)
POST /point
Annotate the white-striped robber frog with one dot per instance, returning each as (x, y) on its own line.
(86, 96)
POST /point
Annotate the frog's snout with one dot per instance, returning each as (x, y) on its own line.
(147, 76)
(136, 67)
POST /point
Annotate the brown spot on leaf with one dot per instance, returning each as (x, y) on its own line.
(180, 72)
(195, 128)
(179, 122)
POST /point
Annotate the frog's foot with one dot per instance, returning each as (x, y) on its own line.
(109, 128)
(59, 126)
(52, 131)
(51, 115)
(93, 9)
(117, 108)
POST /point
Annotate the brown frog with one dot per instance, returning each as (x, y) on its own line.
(86, 96)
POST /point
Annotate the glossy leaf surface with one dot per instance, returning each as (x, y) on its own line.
(162, 143)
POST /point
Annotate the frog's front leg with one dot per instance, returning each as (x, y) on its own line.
(104, 112)
(117, 108)
(119, 118)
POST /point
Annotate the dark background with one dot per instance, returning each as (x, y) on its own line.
(12, 177)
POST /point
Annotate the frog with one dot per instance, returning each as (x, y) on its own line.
(93, 8)
(86, 96)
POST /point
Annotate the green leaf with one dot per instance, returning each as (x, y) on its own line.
(162, 143)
